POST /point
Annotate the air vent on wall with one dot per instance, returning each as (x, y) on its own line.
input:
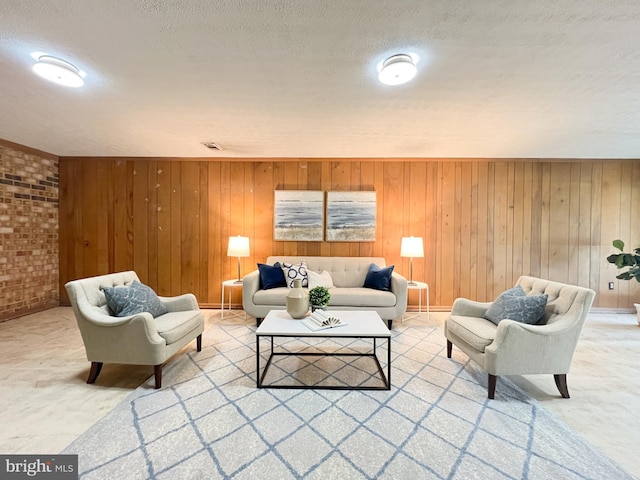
(212, 146)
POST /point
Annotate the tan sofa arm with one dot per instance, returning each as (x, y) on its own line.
(180, 303)
(399, 289)
(518, 345)
(250, 285)
(469, 308)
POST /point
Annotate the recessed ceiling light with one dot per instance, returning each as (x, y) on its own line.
(397, 69)
(58, 71)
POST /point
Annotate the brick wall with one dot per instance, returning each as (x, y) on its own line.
(28, 232)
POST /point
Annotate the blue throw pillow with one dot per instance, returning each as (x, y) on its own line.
(379, 278)
(138, 298)
(271, 276)
(521, 308)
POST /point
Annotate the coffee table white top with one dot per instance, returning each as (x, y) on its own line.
(358, 323)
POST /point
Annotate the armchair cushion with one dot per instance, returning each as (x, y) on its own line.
(271, 276)
(379, 278)
(132, 300)
(524, 309)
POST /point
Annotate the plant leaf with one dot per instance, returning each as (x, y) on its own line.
(619, 244)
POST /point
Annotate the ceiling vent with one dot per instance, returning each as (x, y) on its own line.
(212, 146)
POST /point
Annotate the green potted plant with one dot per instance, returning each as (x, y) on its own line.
(319, 298)
(630, 261)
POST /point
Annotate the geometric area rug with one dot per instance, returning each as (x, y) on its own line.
(210, 421)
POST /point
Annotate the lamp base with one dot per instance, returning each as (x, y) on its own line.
(238, 281)
(412, 283)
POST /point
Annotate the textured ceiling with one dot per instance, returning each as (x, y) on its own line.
(500, 79)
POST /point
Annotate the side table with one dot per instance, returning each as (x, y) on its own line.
(420, 287)
(229, 284)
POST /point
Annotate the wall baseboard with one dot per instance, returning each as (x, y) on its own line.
(28, 311)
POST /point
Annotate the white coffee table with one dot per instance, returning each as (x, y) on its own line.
(359, 324)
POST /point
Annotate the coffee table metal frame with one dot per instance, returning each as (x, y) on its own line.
(337, 332)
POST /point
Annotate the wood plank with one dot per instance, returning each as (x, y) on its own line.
(481, 215)
(500, 228)
(190, 228)
(175, 287)
(610, 202)
(163, 179)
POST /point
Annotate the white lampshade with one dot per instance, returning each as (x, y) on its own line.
(238, 247)
(412, 247)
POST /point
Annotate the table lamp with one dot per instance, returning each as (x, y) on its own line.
(412, 247)
(238, 247)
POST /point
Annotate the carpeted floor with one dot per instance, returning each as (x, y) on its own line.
(209, 420)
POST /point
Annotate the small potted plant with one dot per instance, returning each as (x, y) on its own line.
(627, 260)
(319, 298)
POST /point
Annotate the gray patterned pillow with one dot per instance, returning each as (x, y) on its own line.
(138, 298)
(524, 309)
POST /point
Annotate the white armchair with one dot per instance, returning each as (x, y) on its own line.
(513, 348)
(136, 339)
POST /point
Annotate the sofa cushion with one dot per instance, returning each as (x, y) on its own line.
(379, 278)
(319, 279)
(175, 325)
(271, 276)
(295, 271)
(475, 331)
(524, 309)
(274, 296)
(134, 299)
(360, 297)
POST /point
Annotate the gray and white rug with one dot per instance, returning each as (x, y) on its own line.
(209, 421)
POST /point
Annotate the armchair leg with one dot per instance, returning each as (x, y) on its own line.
(561, 383)
(199, 343)
(492, 386)
(157, 373)
(94, 372)
(449, 348)
(389, 323)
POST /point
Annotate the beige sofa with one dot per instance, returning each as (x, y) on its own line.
(348, 275)
(513, 348)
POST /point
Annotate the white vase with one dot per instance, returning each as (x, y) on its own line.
(297, 300)
(637, 305)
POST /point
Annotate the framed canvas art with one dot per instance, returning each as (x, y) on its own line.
(298, 215)
(351, 217)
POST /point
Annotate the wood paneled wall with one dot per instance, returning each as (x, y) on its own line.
(484, 223)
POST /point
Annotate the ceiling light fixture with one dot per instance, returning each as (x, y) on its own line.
(58, 71)
(397, 69)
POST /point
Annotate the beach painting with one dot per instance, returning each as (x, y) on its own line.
(298, 215)
(351, 217)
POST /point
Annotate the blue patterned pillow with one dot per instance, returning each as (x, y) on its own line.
(521, 308)
(138, 298)
(294, 271)
(379, 278)
(271, 276)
